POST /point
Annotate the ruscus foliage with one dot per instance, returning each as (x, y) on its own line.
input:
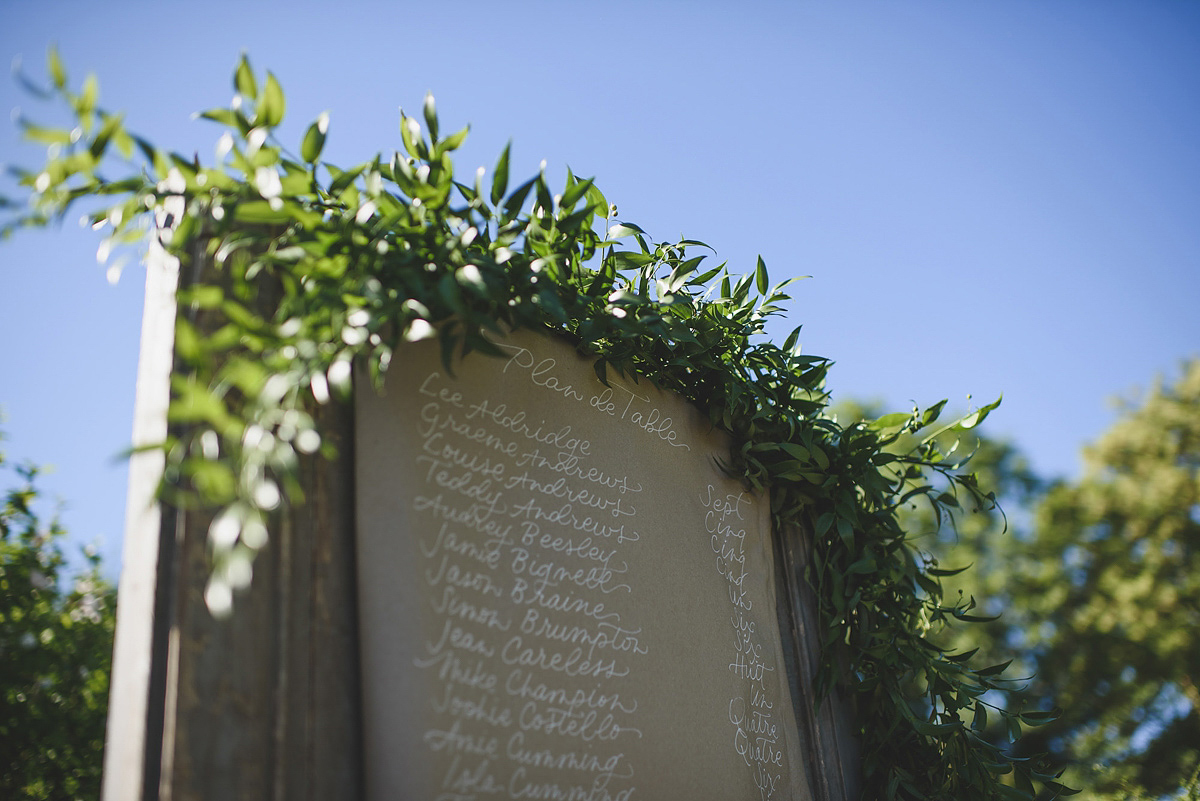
(315, 268)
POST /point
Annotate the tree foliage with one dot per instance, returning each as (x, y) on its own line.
(55, 652)
(1113, 574)
(318, 267)
(1097, 588)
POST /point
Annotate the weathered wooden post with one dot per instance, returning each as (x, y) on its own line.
(265, 703)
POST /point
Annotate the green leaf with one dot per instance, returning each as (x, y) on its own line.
(979, 720)
(820, 457)
(243, 79)
(572, 195)
(189, 345)
(104, 136)
(602, 281)
(845, 531)
(516, 200)
(500, 176)
(863, 566)
(87, 96)
(572, 222)
(54, 65)
(994, 670)
(704, 278)
(948, 499)
(454, 140)
(942, 573)
(797, 451)
(974, 419)
(622, 230)
(343, 179)
(598, 201)
(431, 120)
(260, 212)
(933, 412)
(314, 139)
(1014, 727)
(963, 657)
(891, 421)
(760, 276)
(1040, 718)
(222, 115)
(626, 260)
(214, 480)
(202, 296)
(545, 200)
(271, 106)
(410, 135)
(43, 136)
(934, 728)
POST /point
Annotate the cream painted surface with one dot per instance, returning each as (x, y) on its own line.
(562, 595)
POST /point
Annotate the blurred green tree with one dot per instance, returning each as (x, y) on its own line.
(1097, 584)
(56, 635)
(1112, 577)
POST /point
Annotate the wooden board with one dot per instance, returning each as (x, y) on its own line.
(561, 595)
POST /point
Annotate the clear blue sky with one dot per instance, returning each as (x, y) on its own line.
(990, 197)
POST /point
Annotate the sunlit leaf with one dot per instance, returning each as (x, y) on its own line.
(500, 176)
(54, 65)
(243, 79)
(454, 140)
(88, 94)
(972, 420)
(271, 106)
(314, 139)
(430, 111)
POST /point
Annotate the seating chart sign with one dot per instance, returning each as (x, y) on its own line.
(562, 596)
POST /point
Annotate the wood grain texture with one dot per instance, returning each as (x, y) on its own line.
(825, 724)
(264, 704)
